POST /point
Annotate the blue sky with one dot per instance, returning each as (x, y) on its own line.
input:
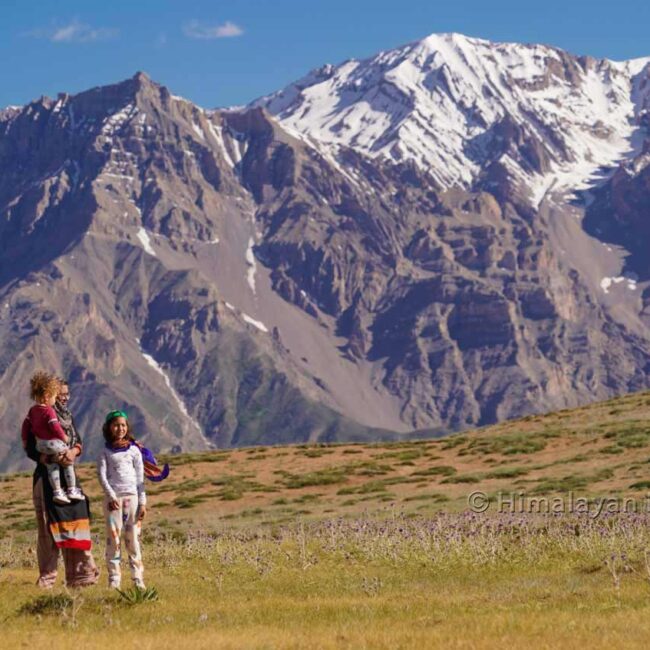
(222, 53)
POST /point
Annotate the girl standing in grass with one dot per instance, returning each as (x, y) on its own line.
(122, 466)
(121, 474)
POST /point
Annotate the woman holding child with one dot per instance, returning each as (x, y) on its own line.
(62, 527)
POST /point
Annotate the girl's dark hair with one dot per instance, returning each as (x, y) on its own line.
(106, 430)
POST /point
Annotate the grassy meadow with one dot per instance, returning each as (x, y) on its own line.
(372, 546)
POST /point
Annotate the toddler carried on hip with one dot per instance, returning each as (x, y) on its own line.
(51, 439)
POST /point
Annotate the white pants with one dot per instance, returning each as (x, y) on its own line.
(125, 517)
(57, 446)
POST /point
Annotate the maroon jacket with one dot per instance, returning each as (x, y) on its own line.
(43, 422)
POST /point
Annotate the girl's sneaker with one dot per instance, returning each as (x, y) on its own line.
(75, 494)
(58, 496)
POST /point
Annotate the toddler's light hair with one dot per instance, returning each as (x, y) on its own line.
(41, 384)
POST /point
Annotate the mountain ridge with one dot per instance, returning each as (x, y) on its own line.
(233, 281)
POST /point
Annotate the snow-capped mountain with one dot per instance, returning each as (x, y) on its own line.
(399, 251)
(452, 103)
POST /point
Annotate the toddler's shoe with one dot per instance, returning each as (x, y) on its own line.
(75, 494)
(58, 496)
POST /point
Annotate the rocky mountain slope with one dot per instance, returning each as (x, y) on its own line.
(401, 248)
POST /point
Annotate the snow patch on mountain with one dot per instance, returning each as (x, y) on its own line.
(145, 240)
(218, 135)
(630, 280)
(255, 323)
(251, 264)
(199, 131)
(114, 122)
(179, 402)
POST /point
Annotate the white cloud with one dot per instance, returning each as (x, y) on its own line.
(74, 32)
(194, 29)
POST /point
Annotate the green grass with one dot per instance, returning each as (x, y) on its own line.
(507, 472)
(437, 498)
(55, 604)
(234, 487)
(328, 476)
(185, 502)
(510, 444)
(570, 483)
(364, 488)
(137, 595)
(462, 478)
(640, 485)
(436, 470)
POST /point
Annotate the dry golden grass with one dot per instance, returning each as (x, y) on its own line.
(342, 588)
(245, 582)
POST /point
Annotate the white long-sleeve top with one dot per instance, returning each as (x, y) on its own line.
(121, 473)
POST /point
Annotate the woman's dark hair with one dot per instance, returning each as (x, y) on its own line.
(106, 430)
(63, 382)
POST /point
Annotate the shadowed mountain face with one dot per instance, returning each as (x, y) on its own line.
(231, 279)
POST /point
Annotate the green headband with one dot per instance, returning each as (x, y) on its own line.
(116, 414)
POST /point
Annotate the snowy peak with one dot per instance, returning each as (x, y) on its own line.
(443, 102)
(9, 112)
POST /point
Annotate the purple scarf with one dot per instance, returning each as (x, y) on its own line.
(151, 469)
